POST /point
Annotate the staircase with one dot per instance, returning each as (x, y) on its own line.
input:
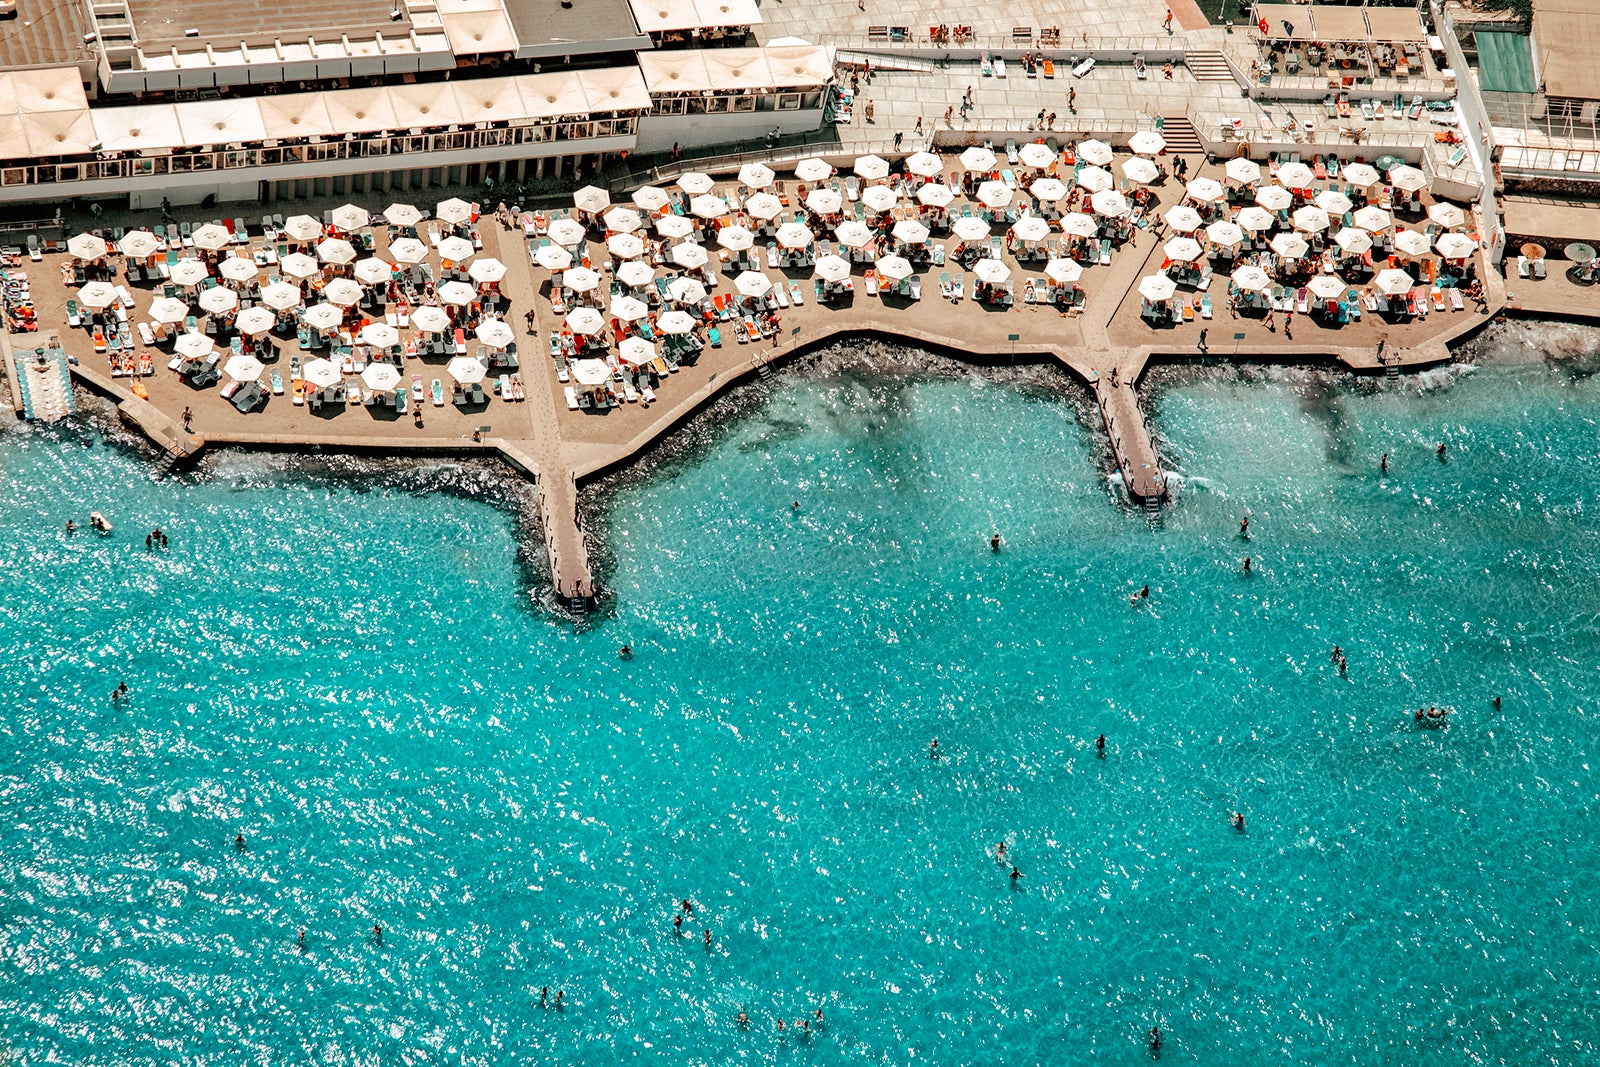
(883, 61)
(1208, 66)
(1180, 136)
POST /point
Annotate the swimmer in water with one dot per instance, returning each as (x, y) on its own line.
(1100, 744)
(1000, 852)
(377, 933)
(687, 907)
(1441, 450)
(1247, 564)
(1238, 821)
(1016, 876)
(1344, 666)
(933, 749)
(626, 651)
(677, 924)
(708, 939)
(1384, 463)
(71, 526)
(302, 940)
(780, 1024)
(238, 842)
(796, 505)
(1244, 527)
(1496, 703)
(743, 1020)
(544, 996)
(1155, 1039)
(1143, 594)
(994, 543)
(560, 995)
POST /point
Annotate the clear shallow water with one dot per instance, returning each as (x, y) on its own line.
(353, 678)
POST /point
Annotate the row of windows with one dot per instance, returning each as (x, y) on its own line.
(729, 103)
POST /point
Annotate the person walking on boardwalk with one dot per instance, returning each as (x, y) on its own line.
(1202, 344)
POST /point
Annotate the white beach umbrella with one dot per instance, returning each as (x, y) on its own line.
(1224, 234)
(88, 247)
(833, 269)
(1295, 176)
(1326, 286)
(924, 165)
(97, 295)
(188, 272)
(1036, 155)
(430, 318)
(813, 170)
(686, 290)
(1447, 214)
(456, 249)
(629, 308)
(138, 244)
(193, 346)
(1373, 219)
(1110, 203)
(695, 183)
(342, 292)
(553, 257)
(566, 232)
(218, 300)
(349, 218)
(1361, 175)
(977, 158)
(587, 321)
(635, 272)
(1455, 246)
(1139, 169)
(636, 351)
(281, 296)
(1095, 179)
(303, 228)
(379, 335)
(912, 232)
(590, 198)
(372, 271)
(1408, 178)
(1332, 201)
(971, 228)
(752, 283)
(824, 201)
(467, 370)
(1095, 152)
(320, 373)
(1393, 282)
(756, 175)
(688, 254)
(1031, 228)
(651, 198)
(1255, 219)
(794, 235)
(1290, 245)
(1242, 171)
(1311, 219)
(992, 271)
(623, 220)
(578, 279)
(675, 322)
(243, 368)
(168, 310)
(1352, 241)
(495, 333)
(238, 269)
(1182, 249)
(1146, 143)
(380, 377)
(323, 316)
(853, 234)
(1252, 278)
(402, 214)
(1411, 243)
(994, 194)
(1157, 288)
(1049, 190)
(211, 237)
(1205, 190)
(458, 294)
(255, 321)
(1274, 198)
(879, 198)
(1077, 224)
(1183, 218)
(763, 206)
(872, 168)
(299, 265)
(894, 267)
(674, 227)
(1065, 271)
(709, 207)
(407, 250)
(736, 238)
(590, 371)
(625, 245)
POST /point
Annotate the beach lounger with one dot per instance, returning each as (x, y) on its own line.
(1538, 268)
(1205, 305)
(438, 393)
(1456, 303)
(796, 294)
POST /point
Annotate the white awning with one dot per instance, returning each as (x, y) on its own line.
(665, 16)
(297, 115)
(420, 105)
(549, 96)
(360, 110)
(800, 66)
(204, 122)
(736, 69)
(123, 129)
(44, 89)
(614, 89)
(475, 33)
(58, 133)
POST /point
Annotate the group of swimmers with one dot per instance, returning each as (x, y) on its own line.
(686, 908)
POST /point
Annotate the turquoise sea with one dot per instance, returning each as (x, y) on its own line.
(343, 663)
